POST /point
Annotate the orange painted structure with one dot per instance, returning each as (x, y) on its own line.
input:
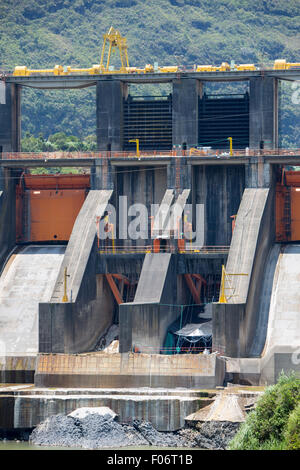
(288, 207)
(47, 206)
(195, 287)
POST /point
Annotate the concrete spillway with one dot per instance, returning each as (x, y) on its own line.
(275, 345)
(284, 312)
(258, 328)
(28, 278)
(279, 312)
(153, 277)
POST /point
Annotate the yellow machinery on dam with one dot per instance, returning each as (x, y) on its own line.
(115, 40)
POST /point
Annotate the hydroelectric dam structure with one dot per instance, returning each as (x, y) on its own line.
(63, 286)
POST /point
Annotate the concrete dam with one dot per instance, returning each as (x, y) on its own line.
(28, 278)
(190, 253)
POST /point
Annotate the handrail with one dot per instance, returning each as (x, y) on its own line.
(149, 249)
(192, 152)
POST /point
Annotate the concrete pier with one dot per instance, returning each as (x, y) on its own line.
(75, 325)
(263, 113)
(10, 117)
(7, 213)
(185, 112)
(109, 114)
(144, 322)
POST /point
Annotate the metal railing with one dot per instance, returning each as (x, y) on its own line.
(150, 249)
(125, 250)
(204, 249)
(203, 350)
(220, 153)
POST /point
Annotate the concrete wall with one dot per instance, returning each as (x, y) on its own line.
(121, 263)
(264, 370)
(185, 111)
(263, 119)
(259, 174)
(109, 114)
(265, 242)
(166, 413)
(179, 173)
(17, 369)
(234, 323)
(227, 328)
(129, 371)
(10, 117)
(205, 264)
(102, 174)
(144, 322)
(77, 325)
(143, 185)
(7, 213)
(220, 189)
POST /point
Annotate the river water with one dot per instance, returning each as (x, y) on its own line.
(25, 445)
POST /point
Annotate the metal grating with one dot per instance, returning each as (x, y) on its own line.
(223, 116)
(149, 119)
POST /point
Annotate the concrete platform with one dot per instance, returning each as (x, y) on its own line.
(25, 407)
(100, 370)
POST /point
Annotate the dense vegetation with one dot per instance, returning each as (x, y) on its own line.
(42, 33)
(275, 422)
(58, 141)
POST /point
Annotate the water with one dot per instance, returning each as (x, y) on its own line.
(25, 445)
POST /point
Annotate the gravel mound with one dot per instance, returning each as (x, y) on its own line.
(213, 434)
(157, 438)
(58, 430)
(96, 431)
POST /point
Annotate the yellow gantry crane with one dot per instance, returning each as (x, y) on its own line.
(115, 39)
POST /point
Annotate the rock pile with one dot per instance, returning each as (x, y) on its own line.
(96, 430)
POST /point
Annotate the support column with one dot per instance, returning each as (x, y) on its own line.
(179, 174)
(10, 117)
(102, 174)
(258, 173)
(8, 182)
(185, 112)
(263, 119)
(109, 114)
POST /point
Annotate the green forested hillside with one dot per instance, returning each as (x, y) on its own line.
(42, 33)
